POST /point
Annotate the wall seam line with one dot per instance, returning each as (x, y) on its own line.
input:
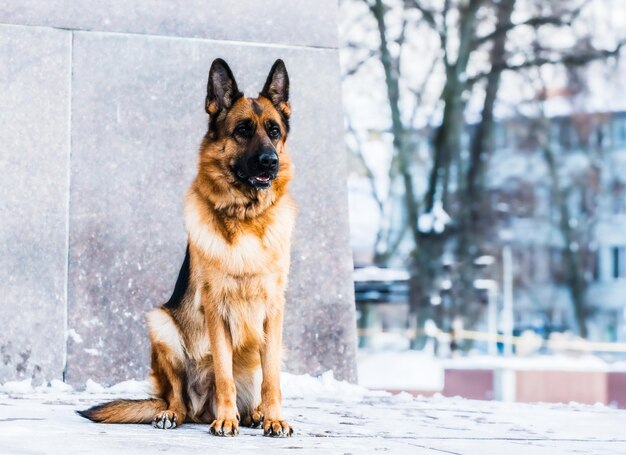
(67, 213)
(234, 42)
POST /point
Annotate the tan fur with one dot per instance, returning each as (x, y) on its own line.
(216, 356)
(127, 411)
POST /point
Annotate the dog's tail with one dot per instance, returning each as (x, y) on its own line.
(125, 411)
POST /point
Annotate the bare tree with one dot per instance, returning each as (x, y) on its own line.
(476, 49)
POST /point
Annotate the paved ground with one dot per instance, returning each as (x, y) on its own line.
(339, 423)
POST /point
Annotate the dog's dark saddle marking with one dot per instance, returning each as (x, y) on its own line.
(181, 284)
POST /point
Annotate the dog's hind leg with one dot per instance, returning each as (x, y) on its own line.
(249, 398)
(168, 372)
(253, 419)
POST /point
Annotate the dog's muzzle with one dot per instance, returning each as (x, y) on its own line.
(261, 170)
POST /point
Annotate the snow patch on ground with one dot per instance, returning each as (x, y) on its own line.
(400, 370)
(130, 387)
(93, 387)
(58, 386)
(420, 371)
(324, 386)
(17, 386)
(292, 385)
(328, 417)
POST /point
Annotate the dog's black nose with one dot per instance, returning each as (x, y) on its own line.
(268, 160)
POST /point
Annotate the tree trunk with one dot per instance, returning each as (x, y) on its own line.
(447, 141)
(471, 228)
(576, 282)
(482, 142)
(446, 149)
(402, 150)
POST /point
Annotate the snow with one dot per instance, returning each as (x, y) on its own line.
(17, 386)
(59, 386)
(538, 362)
(330, 417)
(485, 261)
(325, 386)
(92, 351)
(435, 220)
(93, 387)
(132, 387)
(403, 370)
(420, 371)
(75, 336)
(292, 386)
(380, 274)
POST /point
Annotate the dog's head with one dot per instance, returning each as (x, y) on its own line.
(245, 144)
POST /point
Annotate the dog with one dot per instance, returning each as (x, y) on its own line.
(216, 344)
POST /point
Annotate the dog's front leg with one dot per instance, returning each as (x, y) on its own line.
(226, 421)
(271, 399)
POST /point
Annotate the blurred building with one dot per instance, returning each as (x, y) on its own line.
(589, 152)
(590, 155)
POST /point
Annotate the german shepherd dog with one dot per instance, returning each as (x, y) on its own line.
(216, 344)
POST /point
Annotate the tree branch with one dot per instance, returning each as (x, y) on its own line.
(427, 15)
(535, 22)
(393, 96)
(419, 92)
(444, 34)
(402, 35)
(532, 22)
(357, 66)
(368, 171)
(569, 60)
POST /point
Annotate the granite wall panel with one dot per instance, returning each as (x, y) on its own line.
(34, 153)
(293, 22)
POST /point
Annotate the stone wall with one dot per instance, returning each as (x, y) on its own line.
(102, 114)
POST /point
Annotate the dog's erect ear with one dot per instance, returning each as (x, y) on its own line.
(221, 89)
(276, 87)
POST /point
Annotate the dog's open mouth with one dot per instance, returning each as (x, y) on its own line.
(262, 180)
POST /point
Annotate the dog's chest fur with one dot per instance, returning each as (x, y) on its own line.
(242, 275)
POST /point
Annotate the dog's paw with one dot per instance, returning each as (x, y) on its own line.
(224, 427)
(252, 420)
(166, 420)
(276, 428)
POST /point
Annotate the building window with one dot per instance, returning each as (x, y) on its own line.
(618, 262)
(619, 132)
(595, 265)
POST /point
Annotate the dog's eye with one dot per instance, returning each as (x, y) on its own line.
(242, 130)
(274, 132)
